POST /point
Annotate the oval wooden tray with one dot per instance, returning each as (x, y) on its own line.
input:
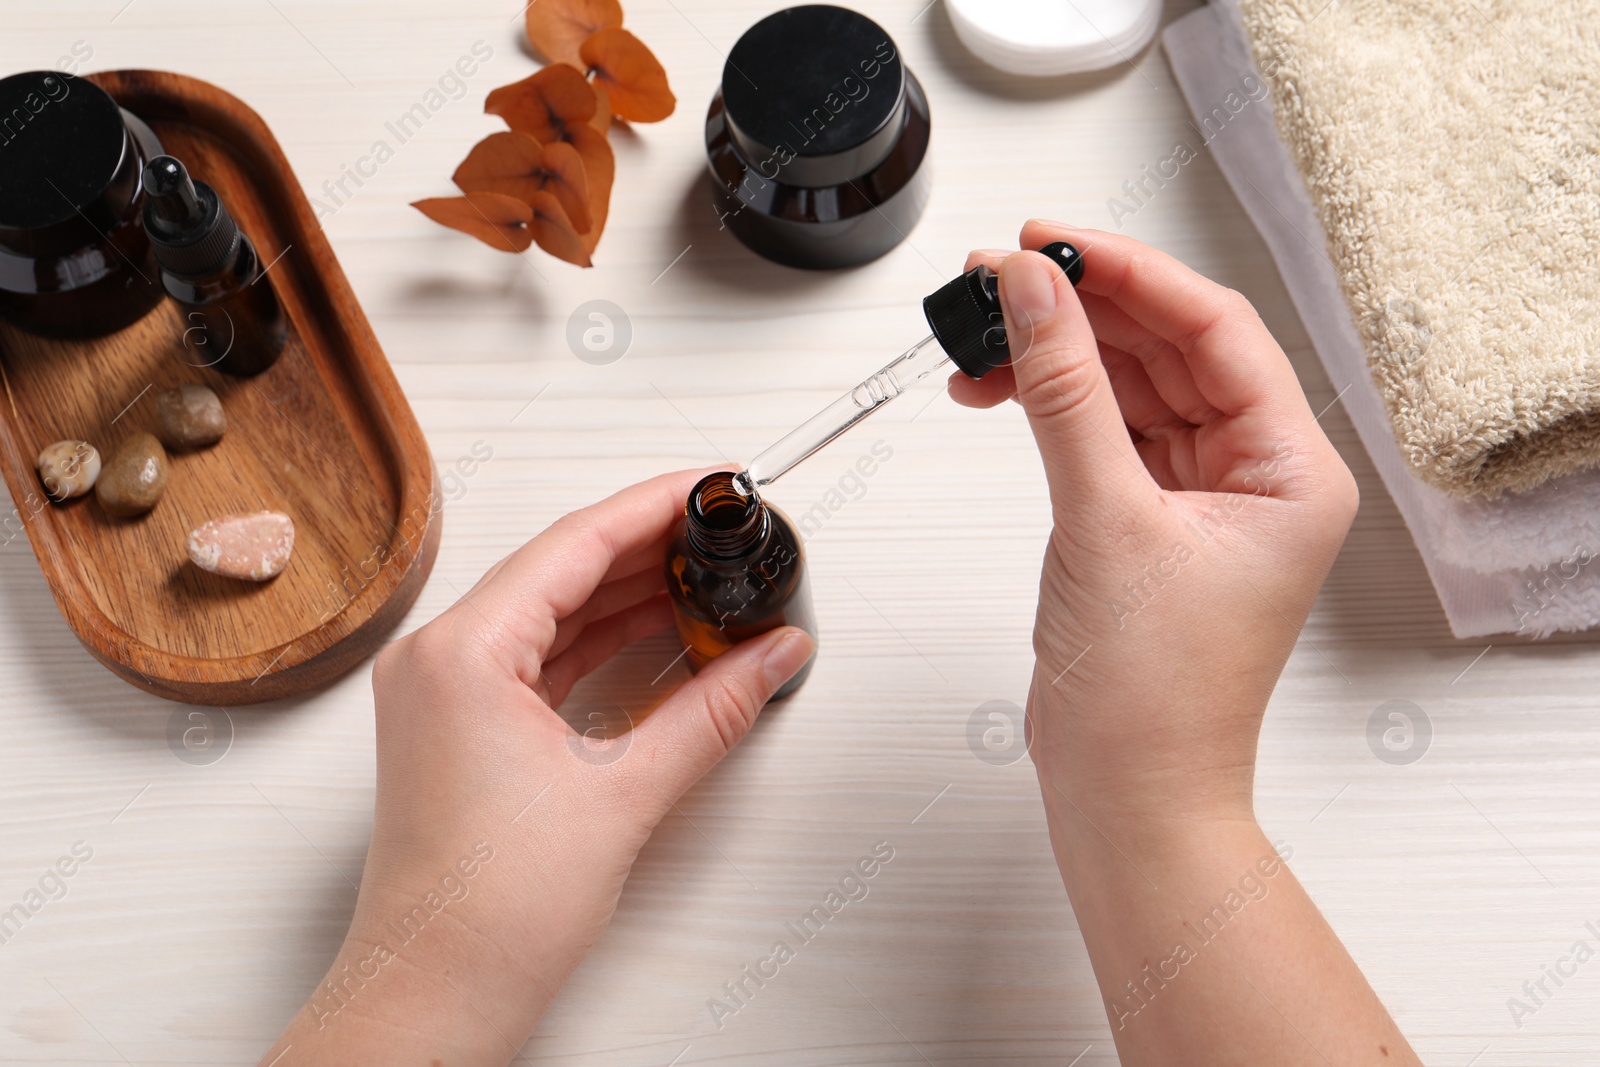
(325, 435)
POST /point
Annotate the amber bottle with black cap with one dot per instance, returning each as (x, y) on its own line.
(817, 139)
(232, 318)
(74, 261)
(736, 569)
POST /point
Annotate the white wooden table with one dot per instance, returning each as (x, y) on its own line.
(216, 894)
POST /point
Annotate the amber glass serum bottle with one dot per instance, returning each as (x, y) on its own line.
(232, 318)
(736, 569)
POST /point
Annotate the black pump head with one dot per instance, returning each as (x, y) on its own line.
(965, 315)
(190, 229)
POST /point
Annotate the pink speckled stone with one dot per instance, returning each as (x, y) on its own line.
(252, 547)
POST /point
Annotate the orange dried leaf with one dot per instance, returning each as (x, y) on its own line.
(599, 169)
(499, 221)
(517, 165)
(545, 105)
(557, 27)
(602, 108)
(565, 177)
(554, 233)
(630, 74)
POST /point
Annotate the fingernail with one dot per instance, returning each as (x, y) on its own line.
(1028, 287)
(786, 657)
(1000, 253)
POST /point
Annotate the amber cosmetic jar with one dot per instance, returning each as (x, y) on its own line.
(817, 139)
(74, 260)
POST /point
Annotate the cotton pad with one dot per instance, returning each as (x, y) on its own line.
(1046, 37)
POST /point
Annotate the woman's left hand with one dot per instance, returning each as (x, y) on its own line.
(501, 836)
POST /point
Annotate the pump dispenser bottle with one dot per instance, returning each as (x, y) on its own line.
(736, 569)
(232, 318)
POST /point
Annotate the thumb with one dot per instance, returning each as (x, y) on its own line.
(1063, 386)
(699, 724)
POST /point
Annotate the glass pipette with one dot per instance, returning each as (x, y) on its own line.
(968, 330)
(919, 361)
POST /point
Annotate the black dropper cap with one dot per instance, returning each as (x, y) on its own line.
(965, 315)
(190, 229)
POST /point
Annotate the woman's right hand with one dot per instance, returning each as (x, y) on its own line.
(1197, 508)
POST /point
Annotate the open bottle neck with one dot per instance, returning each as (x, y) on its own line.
(722, 523)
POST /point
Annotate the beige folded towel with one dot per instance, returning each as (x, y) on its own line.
(1452, 149)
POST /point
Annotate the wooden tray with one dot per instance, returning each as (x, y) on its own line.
(325, 435)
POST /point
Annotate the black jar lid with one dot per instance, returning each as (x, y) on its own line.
(814, 95)
(64, 150)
